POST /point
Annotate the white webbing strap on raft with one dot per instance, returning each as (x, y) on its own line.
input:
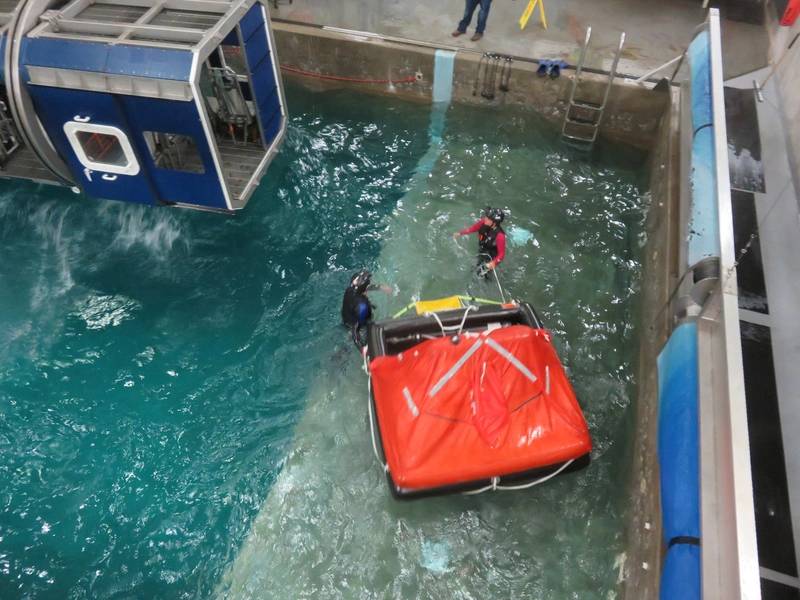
(412, 406)
(371, 416)
(494, 485)
(547, 379)
(457, 328)
(511, 358)
(454, 369)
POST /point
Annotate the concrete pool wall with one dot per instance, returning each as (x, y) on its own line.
(661, 271)
(638, 116)
(633, 114)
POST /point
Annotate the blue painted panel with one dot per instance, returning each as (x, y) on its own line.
(262, 73)
(56, 106)
(266, 90)
(703, 228)
(2, 62)
(158, 63)
(64, 54)
(231, 39)
(264, 83)
(703, 220)
(678, 434)
(272, 128)
(680, 576)
(172, 116)
(700, 64)
(252, 21)
(256, 50)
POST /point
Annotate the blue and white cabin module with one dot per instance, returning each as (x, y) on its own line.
(164, 102)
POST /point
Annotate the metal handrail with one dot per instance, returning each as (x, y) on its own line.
(579, 67)
(613, 73)
(598, 108)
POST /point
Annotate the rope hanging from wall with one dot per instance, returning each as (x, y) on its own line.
(288, 69)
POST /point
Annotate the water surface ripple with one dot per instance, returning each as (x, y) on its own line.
(182, 417)
(154, 362)
(329, 528)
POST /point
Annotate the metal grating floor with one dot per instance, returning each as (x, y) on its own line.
(25, 164)
(113, 12)
(239, 161)
(184, 18)
(165, 23)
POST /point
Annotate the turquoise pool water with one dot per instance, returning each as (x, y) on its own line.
(182, 416)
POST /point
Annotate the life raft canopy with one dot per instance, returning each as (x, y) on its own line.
(468, 396)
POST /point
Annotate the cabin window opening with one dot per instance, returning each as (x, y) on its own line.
(102, 148)
(228, 103)
(226, 87)
(174, 152)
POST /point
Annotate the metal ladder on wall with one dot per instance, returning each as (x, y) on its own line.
(583, 117)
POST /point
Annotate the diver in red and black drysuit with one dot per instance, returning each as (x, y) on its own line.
(491, 239)
(356, 307)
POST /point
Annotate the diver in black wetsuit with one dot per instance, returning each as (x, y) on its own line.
(491, 239)
(356, 307)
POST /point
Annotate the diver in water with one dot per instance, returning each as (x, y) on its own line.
(356, 307)
(491, 239)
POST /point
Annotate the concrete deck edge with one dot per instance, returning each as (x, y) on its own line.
(361, 61)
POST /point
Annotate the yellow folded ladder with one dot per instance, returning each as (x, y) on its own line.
(523, 20)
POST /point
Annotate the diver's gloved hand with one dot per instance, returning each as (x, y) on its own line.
(387, 289)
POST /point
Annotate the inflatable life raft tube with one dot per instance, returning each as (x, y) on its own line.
(471, 399)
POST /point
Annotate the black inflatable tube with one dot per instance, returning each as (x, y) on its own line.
(392, 336)
(519, 478)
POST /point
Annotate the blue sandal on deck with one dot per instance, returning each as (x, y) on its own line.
(544, 67)
(555, 68)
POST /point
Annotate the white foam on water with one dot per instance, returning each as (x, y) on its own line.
(102, 311)
(48, 221)
(156, 231)
(435, 556)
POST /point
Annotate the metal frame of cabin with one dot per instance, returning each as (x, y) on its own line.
(184, 24)
(197, 26)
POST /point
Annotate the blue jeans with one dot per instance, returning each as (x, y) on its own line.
(469, 10)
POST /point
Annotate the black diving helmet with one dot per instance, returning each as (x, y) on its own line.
(495, 214)
(360, 281)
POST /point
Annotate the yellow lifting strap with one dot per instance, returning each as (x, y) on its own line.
(429, 306)
(523, 20)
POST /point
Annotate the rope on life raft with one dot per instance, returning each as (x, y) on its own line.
(371, 416)
(523, 486)
(457, 328)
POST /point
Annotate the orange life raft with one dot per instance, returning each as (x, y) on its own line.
(471, 399)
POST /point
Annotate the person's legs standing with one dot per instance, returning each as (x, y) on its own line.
(469, 10)
(483, 15)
